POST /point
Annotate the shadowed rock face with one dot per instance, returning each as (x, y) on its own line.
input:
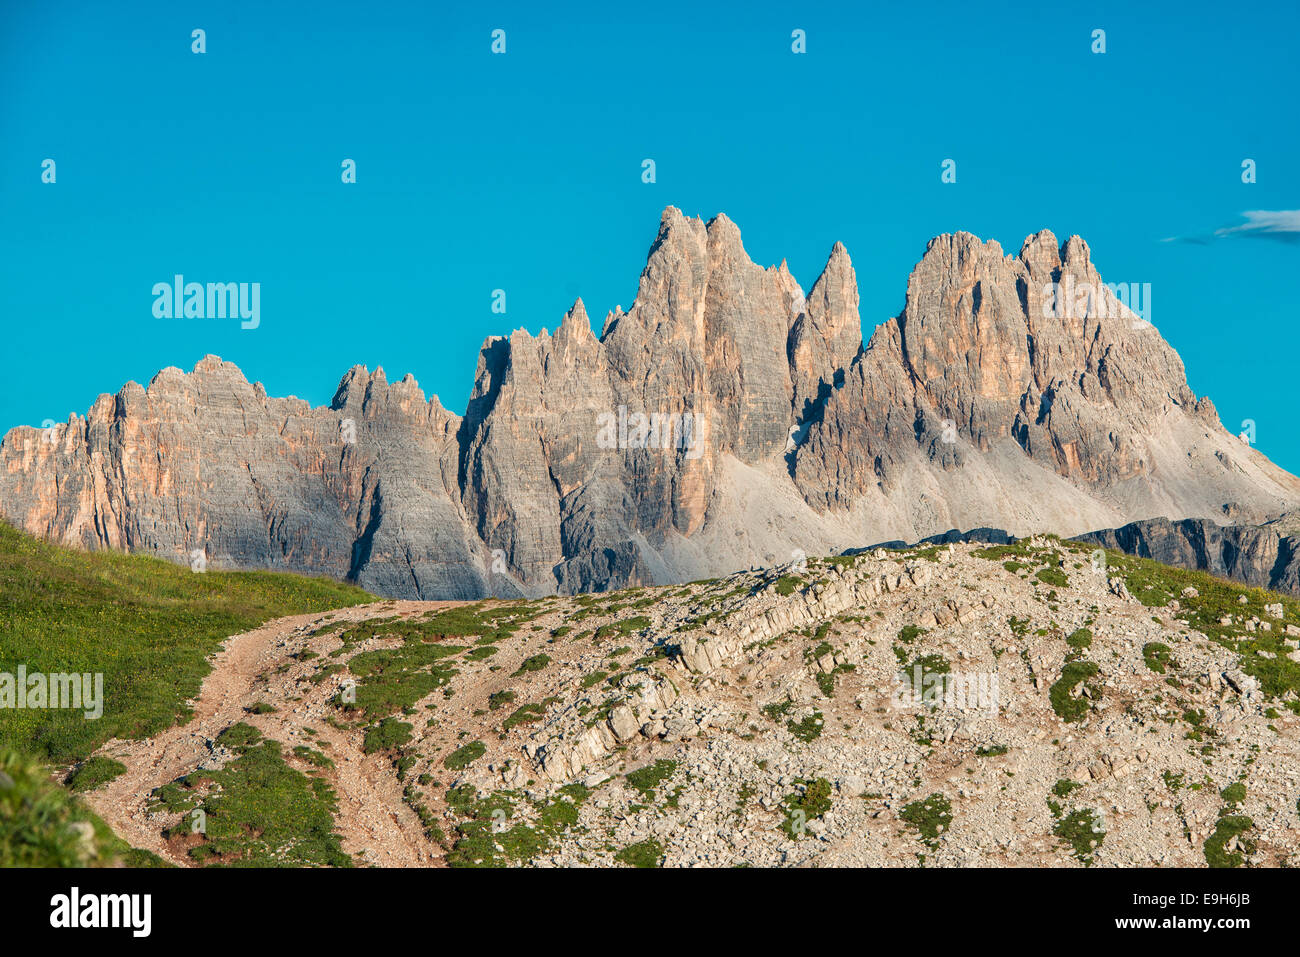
(1267, 556)
(725, 419)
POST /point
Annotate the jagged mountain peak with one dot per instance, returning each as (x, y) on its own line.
(725, 419)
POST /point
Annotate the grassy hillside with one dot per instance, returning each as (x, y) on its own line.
(146, 624)
(42, 825)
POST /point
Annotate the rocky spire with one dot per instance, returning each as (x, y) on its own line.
(666, 449)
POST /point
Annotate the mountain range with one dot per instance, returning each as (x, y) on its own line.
(762, 428)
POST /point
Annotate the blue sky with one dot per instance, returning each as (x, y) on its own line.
(522, 172)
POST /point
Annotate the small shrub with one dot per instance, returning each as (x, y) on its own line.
(1234, 793)
(1082, 831)
(388, 734)
(930, 817)
(1052, 576)
(808, 729)
(239, 736)
(1064, 703)
(806, 805)
(462, 757)
(647, 853)
(535, 663)
(648, 778)
(1157, 656)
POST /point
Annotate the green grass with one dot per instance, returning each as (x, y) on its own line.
(257, 812)
(1234, 793)
(527, 714)
(649, 778)
(394, 679)
(491, 625)
(647, 853)
(930, 817)
(909, 633)
(313, 757)
(1052, 576)
(494, 832)
(1081, 830)
(386, 735)
(996, 553)
(808, 729)
(239, 735)
(147, 625)
(463, 757)
(622, 628)
(94, 772)
(39, 823)
(931, 664)
(1157, 656)
(1063, 787)
(1216, 851)
(1068, 707)
(1157, 585)
(533, 663)
(786, 584)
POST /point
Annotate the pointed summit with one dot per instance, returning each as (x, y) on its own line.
(576, 325)
(1076, 256)
(978, 405)
(576, 317)
(824, 341)
(1041, 254)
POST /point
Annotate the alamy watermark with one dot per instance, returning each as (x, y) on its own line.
(60, 691)
(972, 691)
(1070, 300)
(659, 430)
(127, 911)
(179, 299)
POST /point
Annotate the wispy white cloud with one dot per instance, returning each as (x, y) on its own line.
(1279, 225)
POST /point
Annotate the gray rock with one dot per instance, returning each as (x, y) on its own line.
(977, 407)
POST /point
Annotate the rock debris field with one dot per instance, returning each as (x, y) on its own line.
(1035, 704)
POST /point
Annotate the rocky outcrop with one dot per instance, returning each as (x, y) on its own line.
(770, 615)
(568, 743)
(1267, 556)
(724, 419)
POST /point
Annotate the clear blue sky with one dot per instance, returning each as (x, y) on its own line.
(523, 172)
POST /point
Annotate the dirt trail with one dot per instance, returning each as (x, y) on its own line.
(375, 825)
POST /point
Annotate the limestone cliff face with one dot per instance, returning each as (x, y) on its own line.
(205, 462)
(724, 419)
(988, 346)
(826, 333)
